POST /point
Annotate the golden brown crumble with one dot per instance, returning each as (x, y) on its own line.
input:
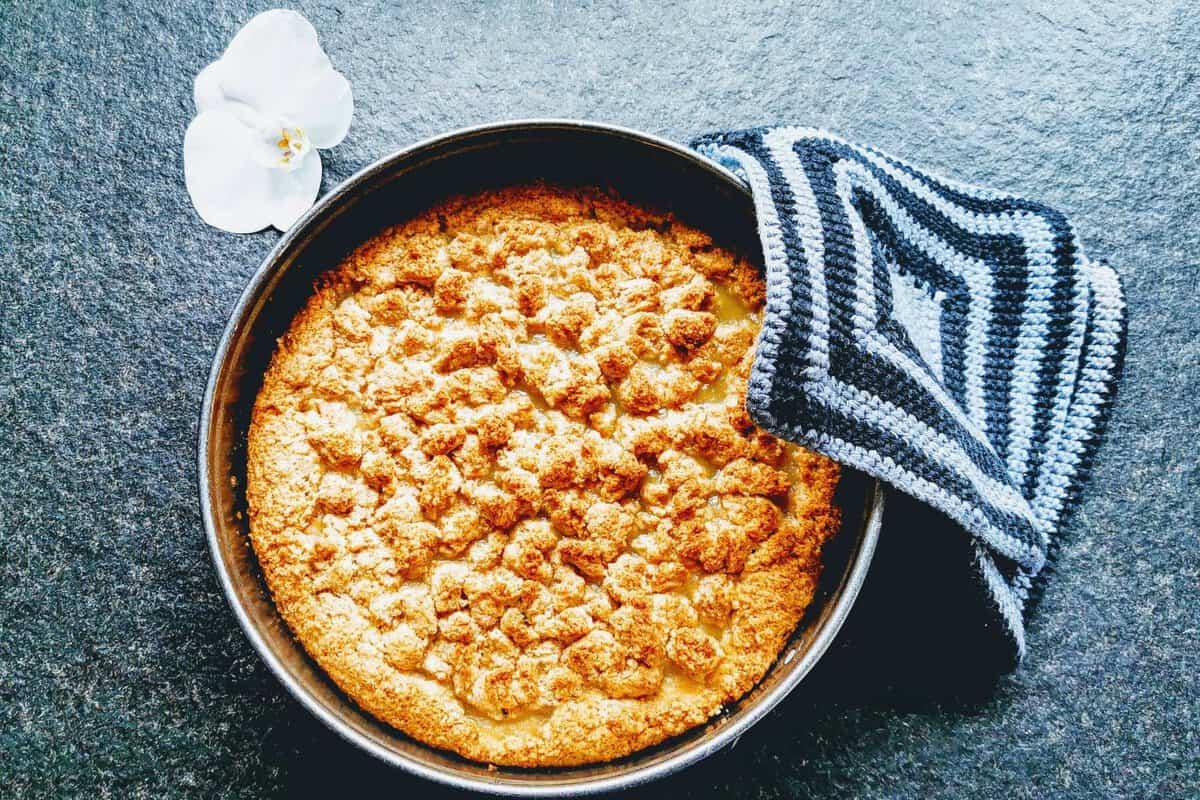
(504, 489)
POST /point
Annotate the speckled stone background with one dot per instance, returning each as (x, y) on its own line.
(122, 672)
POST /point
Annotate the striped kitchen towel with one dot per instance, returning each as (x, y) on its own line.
(953, 342)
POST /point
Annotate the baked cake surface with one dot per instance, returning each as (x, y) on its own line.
(504, 489)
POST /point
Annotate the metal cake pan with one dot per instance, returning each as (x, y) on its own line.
(642, 168)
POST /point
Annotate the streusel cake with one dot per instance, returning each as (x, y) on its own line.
(504, 488)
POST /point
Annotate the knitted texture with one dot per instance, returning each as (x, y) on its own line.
(953, 342)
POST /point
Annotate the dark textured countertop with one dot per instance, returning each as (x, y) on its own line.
(123, 673)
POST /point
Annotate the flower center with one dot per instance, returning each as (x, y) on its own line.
(292, 143)
(281, 145)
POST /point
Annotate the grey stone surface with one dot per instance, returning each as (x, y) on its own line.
(122, 673)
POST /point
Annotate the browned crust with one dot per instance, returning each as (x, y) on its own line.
(617, 608)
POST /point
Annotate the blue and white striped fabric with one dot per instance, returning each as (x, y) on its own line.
(951, 341)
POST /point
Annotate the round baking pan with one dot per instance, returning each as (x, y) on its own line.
(641, 168)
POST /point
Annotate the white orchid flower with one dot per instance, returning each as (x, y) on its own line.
(262, 110)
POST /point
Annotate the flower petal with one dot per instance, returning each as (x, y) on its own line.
(206, 91)
(293, 192)
(322, 104)
(229, 188)
(268, 56)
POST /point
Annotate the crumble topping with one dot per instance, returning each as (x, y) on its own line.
(504, 488)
